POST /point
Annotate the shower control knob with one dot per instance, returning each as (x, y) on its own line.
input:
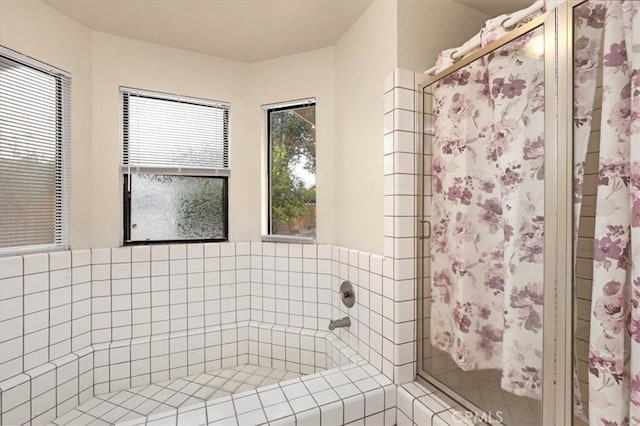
(347, 294)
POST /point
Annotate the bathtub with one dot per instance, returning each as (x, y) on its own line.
(336, 385)
(81, 328)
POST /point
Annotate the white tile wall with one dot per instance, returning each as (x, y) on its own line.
(417, 405)
(307, 400)
(420, 405)
(52, 389)
(146, 314)
(61, 302)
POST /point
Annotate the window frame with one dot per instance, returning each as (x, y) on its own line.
(127, 170)
(60, 218)
(269, 236)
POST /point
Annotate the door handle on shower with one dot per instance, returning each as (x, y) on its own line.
(425, 224)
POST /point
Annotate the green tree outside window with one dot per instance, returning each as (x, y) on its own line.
(293, 166)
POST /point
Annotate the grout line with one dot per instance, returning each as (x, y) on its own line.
(352, 340)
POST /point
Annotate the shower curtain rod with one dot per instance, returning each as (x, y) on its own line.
(475, 42)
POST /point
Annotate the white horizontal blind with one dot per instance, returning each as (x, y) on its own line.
(34, 155)
(171, 131)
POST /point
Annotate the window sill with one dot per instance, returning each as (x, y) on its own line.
(288, 239)
(32, 249)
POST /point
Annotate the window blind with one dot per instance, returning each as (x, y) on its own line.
(172, 131)
(34, 154)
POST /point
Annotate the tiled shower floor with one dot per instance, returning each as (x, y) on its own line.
(483, 389)
(136, 403)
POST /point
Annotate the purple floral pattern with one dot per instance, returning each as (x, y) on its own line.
(587, 57)
(608, 37)
(488, 207)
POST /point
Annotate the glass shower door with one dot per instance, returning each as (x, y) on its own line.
(482, 247)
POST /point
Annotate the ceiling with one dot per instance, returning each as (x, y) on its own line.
(496, 7)
(243, 30)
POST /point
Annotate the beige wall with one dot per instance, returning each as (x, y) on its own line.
(100, 63)
(403, 34)
(38, 31)
(119, 61)
(425, 28)
(363, 57)
(347, 81)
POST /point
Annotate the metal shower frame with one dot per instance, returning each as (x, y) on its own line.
(558, 322)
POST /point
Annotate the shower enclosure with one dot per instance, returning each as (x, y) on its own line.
(529, 303)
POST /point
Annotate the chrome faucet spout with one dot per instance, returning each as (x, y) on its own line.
(344, 322)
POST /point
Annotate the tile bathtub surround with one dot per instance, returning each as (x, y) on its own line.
(111, 295)
(291, 284)
(131, 363)
(418, 405)
(42, 393)
(402, 134)
(45, 309)
(181, 393)
(55, 303)
(354, 394)
(383, 328)
(53, 389)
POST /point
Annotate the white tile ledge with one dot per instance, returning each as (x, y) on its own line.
(18, 392)
(314, 412)
(20, 378)
(418, 405)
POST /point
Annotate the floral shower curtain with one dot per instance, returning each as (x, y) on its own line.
(488, 206)
(588, 32)
(614, 348)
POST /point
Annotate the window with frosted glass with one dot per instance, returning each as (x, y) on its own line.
(175, 168)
